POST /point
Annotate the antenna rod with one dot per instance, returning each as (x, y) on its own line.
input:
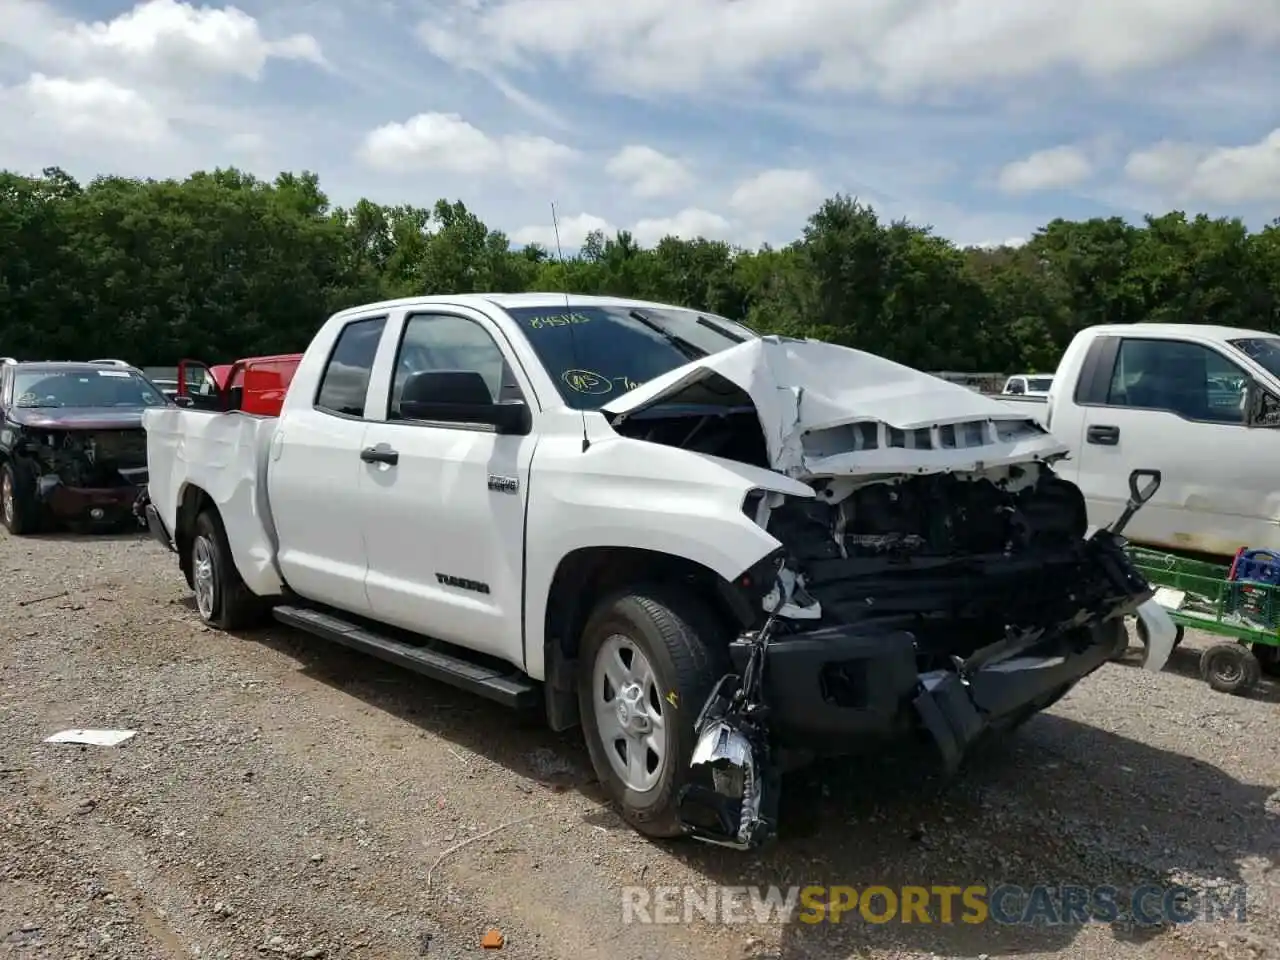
(568, 309)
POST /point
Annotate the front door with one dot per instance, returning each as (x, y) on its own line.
(1177, 406)
(444, 523)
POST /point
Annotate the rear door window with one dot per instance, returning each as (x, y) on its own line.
(344, 385)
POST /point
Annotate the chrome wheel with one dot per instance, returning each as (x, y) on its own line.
(9, 509)
(202, 576)
(628, 713)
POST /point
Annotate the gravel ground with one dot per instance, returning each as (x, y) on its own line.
(286, 797)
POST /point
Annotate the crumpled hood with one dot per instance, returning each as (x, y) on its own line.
(831, 410)
(77, 418)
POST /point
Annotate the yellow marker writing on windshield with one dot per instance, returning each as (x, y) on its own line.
(586, 381)
(561, 320)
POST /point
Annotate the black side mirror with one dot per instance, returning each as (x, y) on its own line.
(183, 401)
(461, 396)
(1253, 397)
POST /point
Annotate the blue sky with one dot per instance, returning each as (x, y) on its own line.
(725, 118)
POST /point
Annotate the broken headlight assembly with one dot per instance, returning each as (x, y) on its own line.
(785, 594)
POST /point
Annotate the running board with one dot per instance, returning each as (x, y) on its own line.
(510, 689)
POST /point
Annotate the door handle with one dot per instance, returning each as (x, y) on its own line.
(1107, 436)
(380, 455)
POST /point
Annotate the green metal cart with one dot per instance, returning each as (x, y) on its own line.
(1205, 596)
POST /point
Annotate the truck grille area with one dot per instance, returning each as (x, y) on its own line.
(873, 435)
(958, 562)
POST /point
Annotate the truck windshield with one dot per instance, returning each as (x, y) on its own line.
(84, 388)
(1264, 351)
(1040, 384)
(597, 353)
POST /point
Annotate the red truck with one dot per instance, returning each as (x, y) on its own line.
(254, 385)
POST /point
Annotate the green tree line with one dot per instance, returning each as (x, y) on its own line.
(223, 265)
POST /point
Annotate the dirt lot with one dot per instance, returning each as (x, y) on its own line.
(284, 797)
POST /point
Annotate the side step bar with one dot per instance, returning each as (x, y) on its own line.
(509, 689)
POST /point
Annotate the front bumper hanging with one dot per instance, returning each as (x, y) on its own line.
(739, 810)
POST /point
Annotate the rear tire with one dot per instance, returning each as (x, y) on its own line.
(650, 656)
(18, 505)
(222, 599)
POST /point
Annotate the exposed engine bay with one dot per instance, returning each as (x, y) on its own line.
(91, 475)
(957, 560)
(934, 581)
(91, 458)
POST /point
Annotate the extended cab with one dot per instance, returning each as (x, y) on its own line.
(1199, 403)
(719, 553)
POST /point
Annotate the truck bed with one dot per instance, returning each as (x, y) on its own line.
(225, 455)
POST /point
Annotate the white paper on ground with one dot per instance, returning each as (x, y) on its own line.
(95, 738)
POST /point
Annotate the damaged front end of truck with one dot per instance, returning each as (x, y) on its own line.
(942, 583)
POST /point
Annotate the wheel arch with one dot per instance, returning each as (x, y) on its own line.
(192, 500)
(585, 576)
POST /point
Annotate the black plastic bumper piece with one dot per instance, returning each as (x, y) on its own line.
(839, 686)
(156, 526)
(949, 714)
(836, 681)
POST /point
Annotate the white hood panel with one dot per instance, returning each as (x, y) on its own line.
(832, 410)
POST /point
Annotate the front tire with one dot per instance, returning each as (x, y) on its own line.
(222, 599)
(649, 658)
(18, 500)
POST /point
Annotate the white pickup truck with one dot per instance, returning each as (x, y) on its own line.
(1199, 403)
(721, 554)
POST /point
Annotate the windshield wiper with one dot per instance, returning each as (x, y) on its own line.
(723, 331)
(690, 350)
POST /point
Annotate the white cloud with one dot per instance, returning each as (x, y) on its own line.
(90, 110)
(1227, 175)
(688, 224)
(573, 232)
(898, 47)
(1051, 169)
(777, 196)
(1013, 242)
(649, 172)
(448, 143)
(158, 37)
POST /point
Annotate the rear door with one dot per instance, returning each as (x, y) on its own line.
(1176, 406)
(315, 475)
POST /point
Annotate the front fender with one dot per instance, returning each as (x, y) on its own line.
(629, 493)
